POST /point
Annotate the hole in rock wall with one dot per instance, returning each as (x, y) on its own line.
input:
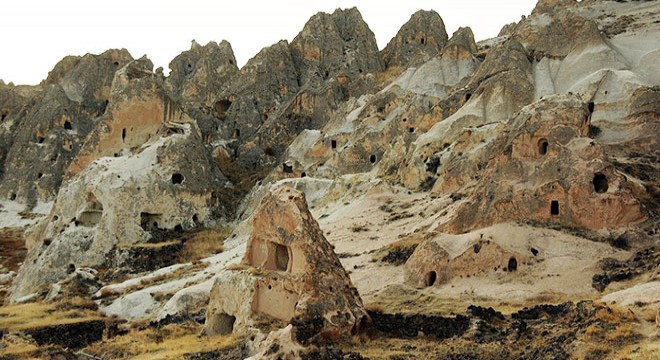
(3, 115)
(430, 278)
(236, 134)
(534, 251)
(40, 175)
(223, 324)
(543, 146)
(41, 139)
(303, 174)
(178, 227)
(67, 125)
(149, 221)
(476, 248)
(12, 196)
(412, 129)
(177, 178)
(468, 96)
(372, 159)
(287, 168)
(221, 108)
(591, 107)
(116, 63)
(422, 41)
(281, 257)
(600, 183)
(71, 269)
(269, 151)
(333, 144)
(554, 208)
(123, 134)
(512, 265)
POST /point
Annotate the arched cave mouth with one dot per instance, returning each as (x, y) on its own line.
(372, 159)
(224, 323)
(543, 146)
(512, 265)
(430, 278)
(177, 178)
(600, 183)
(554, 208)
(281, 257)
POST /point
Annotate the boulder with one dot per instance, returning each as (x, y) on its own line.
(289, 275)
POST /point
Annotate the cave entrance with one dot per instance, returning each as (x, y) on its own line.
(512, 265)
(543, 146)
(177, 178)
(554, 207)
(287, 168)
(149, 221)
(600, 183)
(372, 159)
(430, 278)
(281, 257)
(223, 324)
(67, 125)
(333, 144)
(221, 108)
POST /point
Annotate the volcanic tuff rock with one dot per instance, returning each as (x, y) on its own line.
(48, 132)
(418, 40)
(289, 275)
(544, 168)
(335, 44)
(143, 168)
(196, 79)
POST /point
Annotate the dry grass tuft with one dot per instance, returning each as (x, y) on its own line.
(204, 243)
(36, 315)
(388, 75)
(169, 342)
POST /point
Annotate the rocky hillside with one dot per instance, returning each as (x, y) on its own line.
(438, 198)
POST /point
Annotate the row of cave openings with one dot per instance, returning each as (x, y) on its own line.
(600, 186)
(431, 277)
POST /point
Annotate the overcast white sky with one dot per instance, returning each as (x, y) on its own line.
(35, 35)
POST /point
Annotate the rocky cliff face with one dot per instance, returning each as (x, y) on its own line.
(49, 131)
(469, 162)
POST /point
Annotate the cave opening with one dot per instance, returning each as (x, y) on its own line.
(554, 207)
(543, 146)
(67, 125)
(281, 257)
(224, 324)
(600, 183)
(287, 168)
(372, 159)
(221, 108)
(430, 278)
(512, 265)
(333, 144)
(177, 178)
(123, 135)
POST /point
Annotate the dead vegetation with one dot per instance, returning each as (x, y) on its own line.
(171, 341)
(203, 243)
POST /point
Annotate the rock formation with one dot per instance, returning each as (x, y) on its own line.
(289, 275)
(143, 168)
(48, 132)
(549, 170)
(418, 40)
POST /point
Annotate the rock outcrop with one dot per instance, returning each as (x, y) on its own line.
(144, 168)
(48, 132)
(545, 168)
(289, 275)
(418, 40)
